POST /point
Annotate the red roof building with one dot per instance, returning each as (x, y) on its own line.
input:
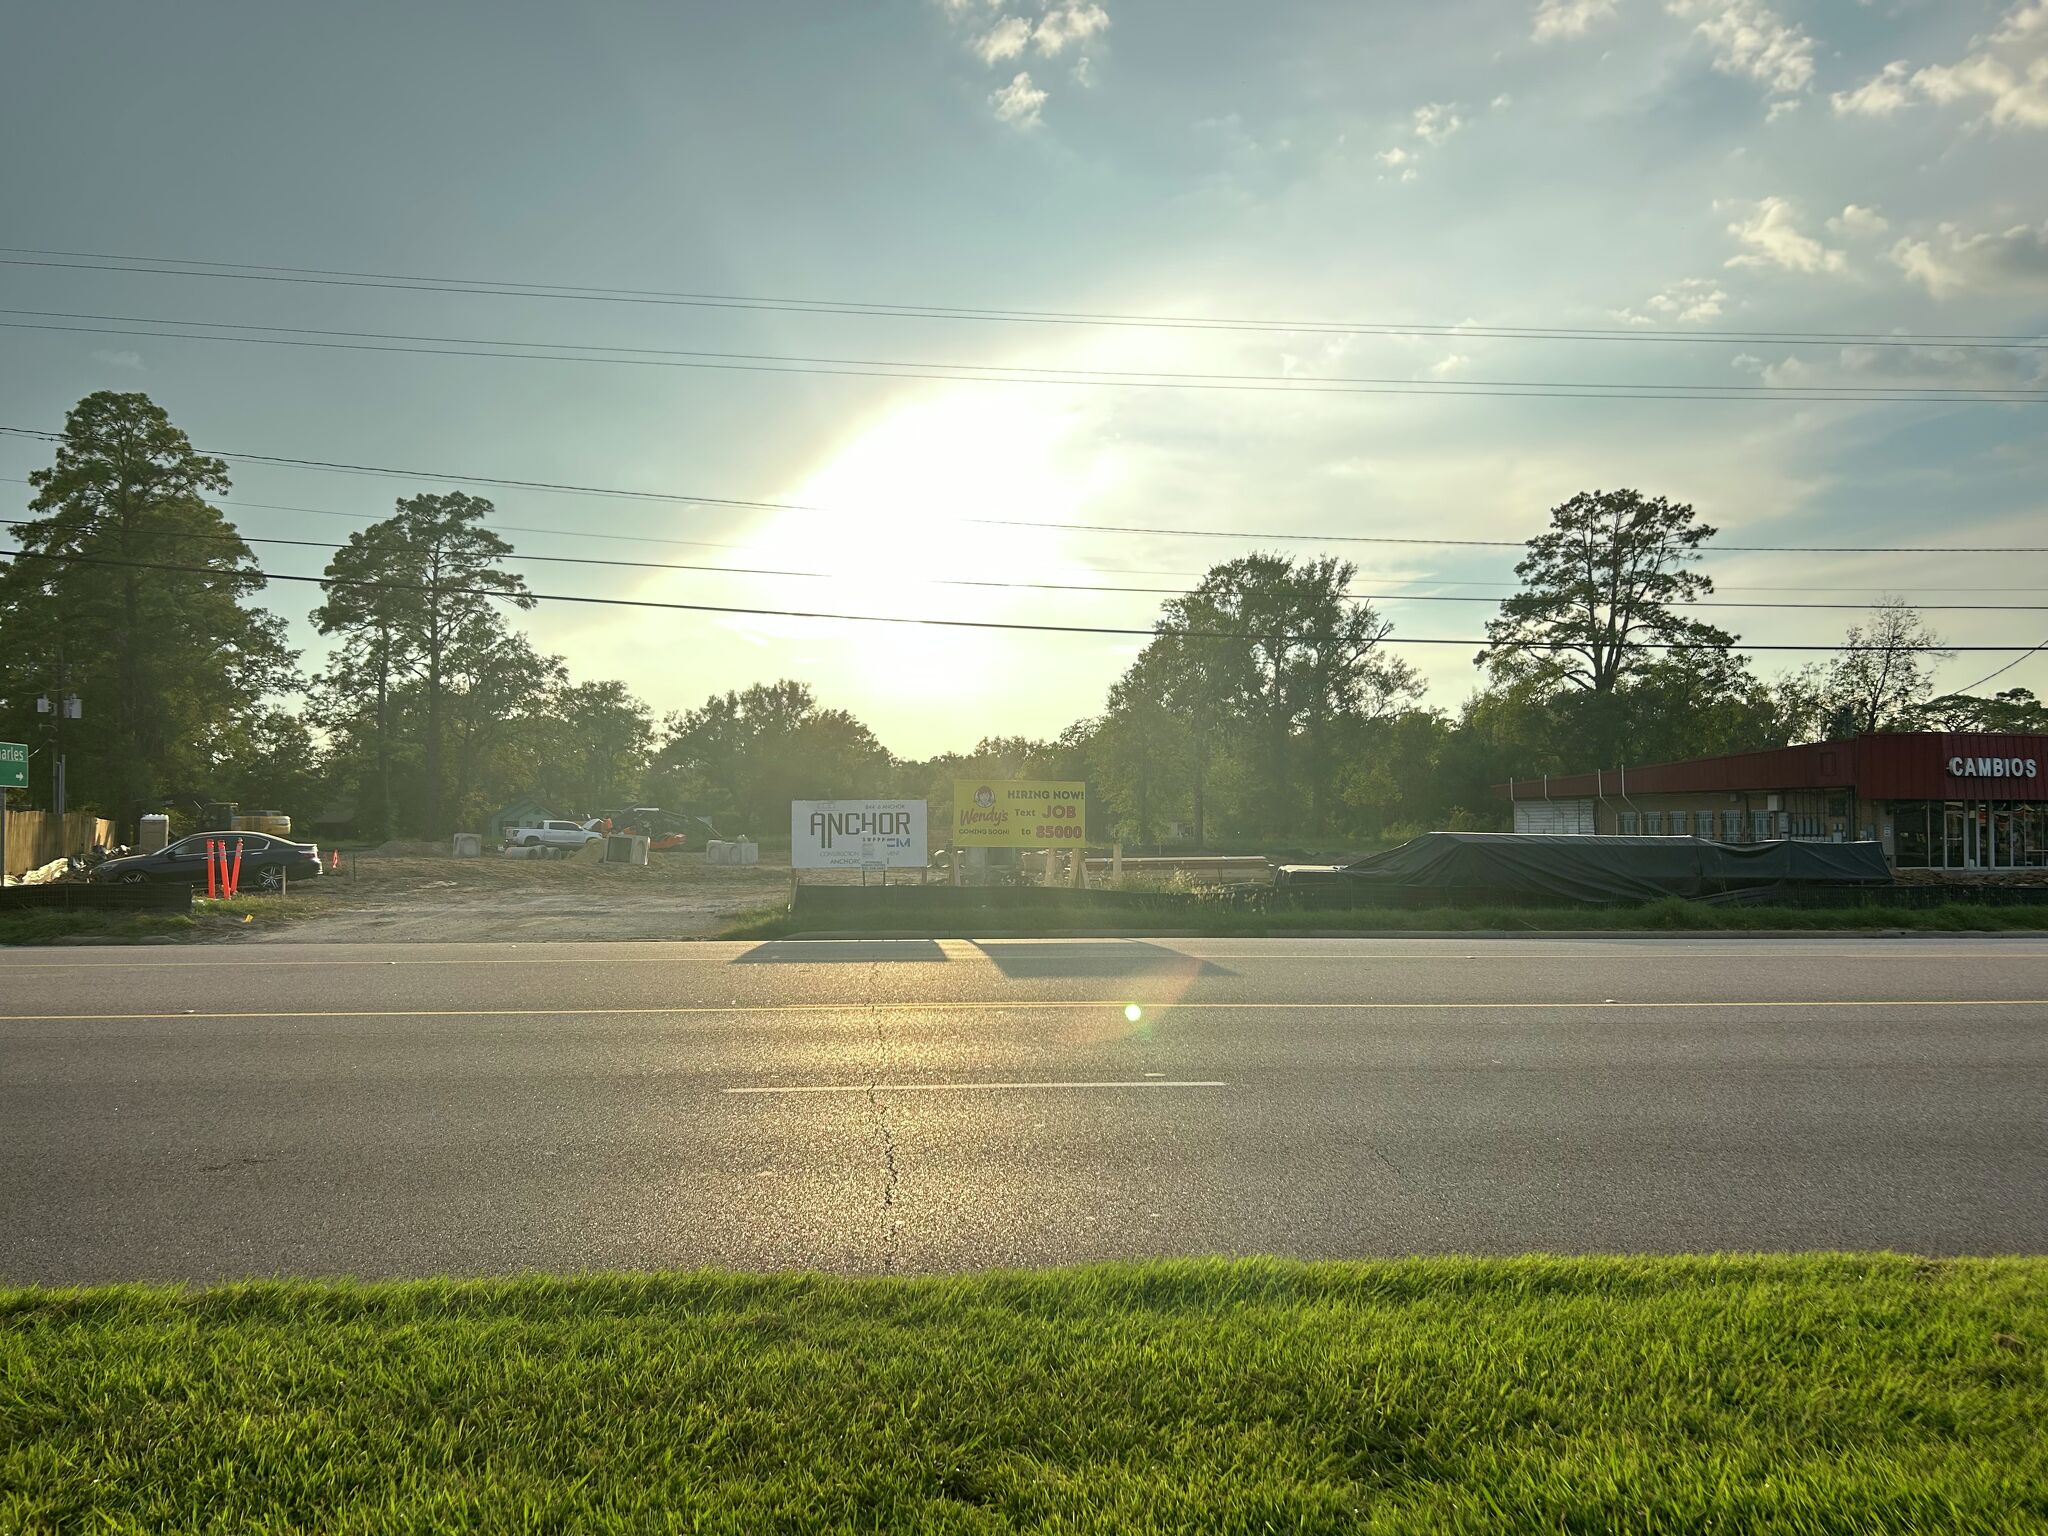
(1935, 800)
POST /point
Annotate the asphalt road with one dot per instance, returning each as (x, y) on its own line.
(200, 1113)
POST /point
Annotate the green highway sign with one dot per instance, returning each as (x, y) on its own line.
(13, 765)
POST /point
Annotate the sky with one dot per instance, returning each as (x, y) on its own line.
(1660, 170)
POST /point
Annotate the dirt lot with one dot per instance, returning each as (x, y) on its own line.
(403, 893)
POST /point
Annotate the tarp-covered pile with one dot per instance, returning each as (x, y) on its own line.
(1608, 869)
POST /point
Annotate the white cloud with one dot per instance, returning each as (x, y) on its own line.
(1005, 40)
(1395, 156)
(1502, 102)
(1770, 231)
(129, 360)
(1784, 107)
(1568, 18)
(1437, 121)
(1858, 223)
(1689, 301)
(2009, 69)
(1073, 22)
(2014, 260)
(1749, 38)
(1449, 367)
(1018, 102)
(1881, 95)
(1906, 366)
(1084, 72)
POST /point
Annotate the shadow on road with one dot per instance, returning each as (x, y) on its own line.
(841, 952)
(1124, 957)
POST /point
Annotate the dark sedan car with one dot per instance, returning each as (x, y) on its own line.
(266, 861)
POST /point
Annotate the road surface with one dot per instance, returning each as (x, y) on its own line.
(200, 1113)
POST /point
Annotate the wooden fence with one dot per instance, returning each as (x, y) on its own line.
(34, 838)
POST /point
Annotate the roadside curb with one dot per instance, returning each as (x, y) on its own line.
(847, 935)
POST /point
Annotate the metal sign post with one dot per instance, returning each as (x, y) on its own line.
(13, 775)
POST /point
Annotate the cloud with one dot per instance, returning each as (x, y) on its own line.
(1437, 121)
(124, 359)
(1005, 40)
(1502, 102)
(1903, 367)
(1770, 231)
(1073, 22)
(1018, 102)
(1689, 301)
(1568, 18)
(1881, 95)
(1449, 367)
(1858, 223)
(996, 35)
(1398, 159)
(2014, 260)
(2009, 69)
(1749, 38)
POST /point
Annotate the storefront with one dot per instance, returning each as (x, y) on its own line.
(1937, 801)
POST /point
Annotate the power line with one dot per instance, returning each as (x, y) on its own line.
(1417, 387)
(2001, 671)
(1044, 586)
(994, 373)
(239, 504)
(1259, 536)
(169, 266)
(876, 618)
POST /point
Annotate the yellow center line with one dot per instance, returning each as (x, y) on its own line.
(1118, 1005)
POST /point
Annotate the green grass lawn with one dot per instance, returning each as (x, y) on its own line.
(207, 920)
(1209, 918)
(1794, 1394)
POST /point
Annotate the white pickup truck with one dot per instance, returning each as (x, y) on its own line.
(552, 834)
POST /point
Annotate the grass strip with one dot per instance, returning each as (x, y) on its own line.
(206, 920)
(1769, 1394)
(1671, 915)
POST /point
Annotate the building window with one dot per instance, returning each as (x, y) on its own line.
(1653, 823)
(1630, 823)
(1911, 845)
(1731, 826)
(1759, 826)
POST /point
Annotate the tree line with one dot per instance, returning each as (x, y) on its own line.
(1267, 707)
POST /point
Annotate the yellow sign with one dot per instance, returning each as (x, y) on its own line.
(1019, 813)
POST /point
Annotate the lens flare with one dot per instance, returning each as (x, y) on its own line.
(1133, 1012)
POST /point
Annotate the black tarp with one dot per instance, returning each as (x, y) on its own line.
(1597, 869)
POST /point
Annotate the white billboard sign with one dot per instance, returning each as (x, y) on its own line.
(847, 834)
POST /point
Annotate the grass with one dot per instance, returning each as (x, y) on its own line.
(1209, 919)
(207, 920)
(1789, 1394)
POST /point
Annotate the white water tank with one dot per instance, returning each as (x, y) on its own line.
(468, 845)
(155, 834)
(624, 848)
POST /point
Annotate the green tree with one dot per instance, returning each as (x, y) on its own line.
(1882, 677)
(271, 762)
(1141, 749)
(1598, 601)
(751, 753)
(411, 596)
(370, 596)
(603, 730)
(144, 585)
(2012, 710)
